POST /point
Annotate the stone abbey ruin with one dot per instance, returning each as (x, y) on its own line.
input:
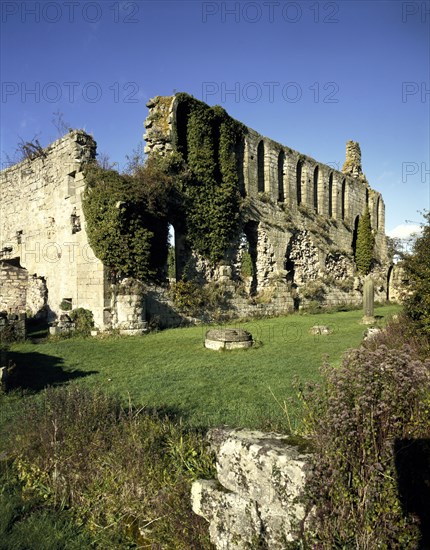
(296, 229)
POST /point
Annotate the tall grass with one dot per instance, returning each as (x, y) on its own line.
(123, 474)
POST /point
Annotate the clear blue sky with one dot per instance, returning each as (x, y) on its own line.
(310, 75)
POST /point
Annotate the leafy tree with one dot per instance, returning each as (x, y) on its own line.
(417, 268)
(364, 245)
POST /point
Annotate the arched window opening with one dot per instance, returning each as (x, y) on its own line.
(377, 212)
(260, 167)
(315, 186)
(249, 261)
(343, 200)
(389, 282)
(330, 195)
(281, 191)
(182, 113)
(171, 255)
(354, 235)
(299, 181)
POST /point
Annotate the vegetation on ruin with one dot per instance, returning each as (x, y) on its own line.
(127, 214)
(83, 320)
(211, 190)
(206, 302)
(126, 218)
(417, 270)
(365, 244)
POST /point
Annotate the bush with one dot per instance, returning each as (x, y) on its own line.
(124, 475)
(83, 319)
(376, 399)
(417, 269)
(66, 305)
(197, 300)
(313, 290)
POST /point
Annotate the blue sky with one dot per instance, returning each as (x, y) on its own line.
(310, 75)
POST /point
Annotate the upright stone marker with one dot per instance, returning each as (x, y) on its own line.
(368, 301)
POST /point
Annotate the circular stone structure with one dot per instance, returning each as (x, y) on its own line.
(227, 338)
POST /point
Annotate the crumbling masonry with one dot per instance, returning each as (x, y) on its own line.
(300, 220)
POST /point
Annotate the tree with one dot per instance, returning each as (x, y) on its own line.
(364, 245)
(417, 269)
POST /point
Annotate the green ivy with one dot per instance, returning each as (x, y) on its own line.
(126, 224)
(127, 214)
(211, 190)
(115, 224)
(365, 244)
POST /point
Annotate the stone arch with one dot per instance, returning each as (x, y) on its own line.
(354, 235)
(330, 195)
(299, 170)
(251, 234)
(343, 200)
(378, 200)
(281, 188)
(240, 164)
(315, 188)
(389, 280)
(182, 114)
(260, 167)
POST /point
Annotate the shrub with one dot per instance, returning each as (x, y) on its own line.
(65, 305)
(376, 399)
(417, 269)
(197, 300)
(246, 267)
(83, 319)
(313, 290)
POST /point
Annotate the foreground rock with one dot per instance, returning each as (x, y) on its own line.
(257, 499)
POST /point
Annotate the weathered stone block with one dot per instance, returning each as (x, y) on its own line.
(257, 498)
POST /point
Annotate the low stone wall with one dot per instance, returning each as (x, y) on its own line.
(256, 500)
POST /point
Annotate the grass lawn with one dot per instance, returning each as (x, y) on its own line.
(173, 372)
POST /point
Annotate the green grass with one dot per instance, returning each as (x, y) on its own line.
(173, 372)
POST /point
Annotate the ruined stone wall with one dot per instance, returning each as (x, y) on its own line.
(42, 226)
(300, 216)
(13, 288)
(20, 292)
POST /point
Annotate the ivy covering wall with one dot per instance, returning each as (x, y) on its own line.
(126, 221)
(127, 215)
(211, 188)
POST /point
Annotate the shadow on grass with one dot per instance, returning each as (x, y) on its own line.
(35, 371)
(413, 474)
